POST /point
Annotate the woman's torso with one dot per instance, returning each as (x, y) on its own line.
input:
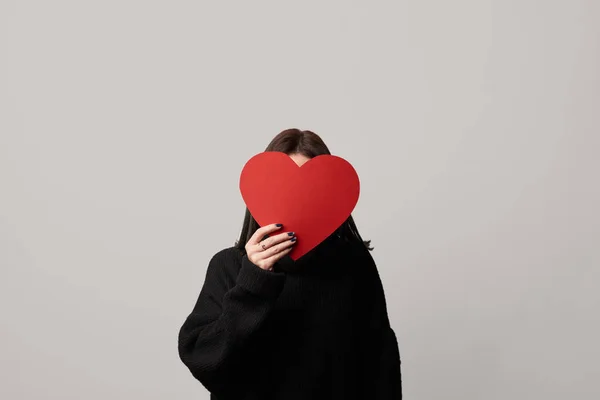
(313, 331)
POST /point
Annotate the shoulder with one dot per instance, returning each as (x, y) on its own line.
(229, 255)
(224, 265)
(341, 255)
(358, 251)
(360, 256)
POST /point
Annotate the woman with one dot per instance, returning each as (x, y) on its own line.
(266, 327)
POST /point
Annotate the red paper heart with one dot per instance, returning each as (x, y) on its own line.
(312, 200)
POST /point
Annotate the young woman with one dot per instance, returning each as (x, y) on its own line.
(266, 327)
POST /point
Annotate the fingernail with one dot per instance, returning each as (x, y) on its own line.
(293, 239)
(290, 233)
(279, 225)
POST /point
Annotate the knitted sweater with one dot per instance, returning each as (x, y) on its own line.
(316, 328)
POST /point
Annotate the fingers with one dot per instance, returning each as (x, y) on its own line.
(273, 240)
(262, 231)
(282, 244)
(275, 257)
(265, 252)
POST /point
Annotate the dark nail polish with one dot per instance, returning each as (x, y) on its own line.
(290, 233)
(293, 239)
(279, 225)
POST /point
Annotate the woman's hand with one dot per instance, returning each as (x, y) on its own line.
(266, 252)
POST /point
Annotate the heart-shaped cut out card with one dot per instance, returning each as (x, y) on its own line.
(312, 200)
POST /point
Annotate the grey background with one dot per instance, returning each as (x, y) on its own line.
(473, 126)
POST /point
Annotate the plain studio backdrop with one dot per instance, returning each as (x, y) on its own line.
(473, 126)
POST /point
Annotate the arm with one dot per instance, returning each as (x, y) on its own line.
(383, 357)
(226, 315)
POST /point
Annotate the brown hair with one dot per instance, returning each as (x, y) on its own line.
(309, 144)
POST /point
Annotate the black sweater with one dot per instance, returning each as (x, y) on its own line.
(319, 330)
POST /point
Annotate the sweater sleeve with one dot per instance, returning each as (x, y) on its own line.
(383, 355)
(229, 310)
